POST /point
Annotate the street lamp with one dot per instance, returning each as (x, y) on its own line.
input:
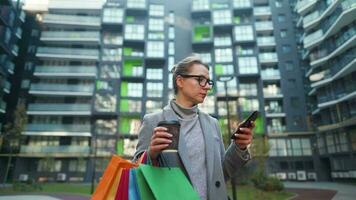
(226, 79)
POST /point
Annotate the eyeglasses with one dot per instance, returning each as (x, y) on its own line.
(201, 79)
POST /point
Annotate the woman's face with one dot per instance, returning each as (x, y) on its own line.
(192, 87)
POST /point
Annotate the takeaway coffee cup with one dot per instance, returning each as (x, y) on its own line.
(173, 128)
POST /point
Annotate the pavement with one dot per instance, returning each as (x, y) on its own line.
(323, 190)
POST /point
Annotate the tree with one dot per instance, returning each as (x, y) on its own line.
(12, 135)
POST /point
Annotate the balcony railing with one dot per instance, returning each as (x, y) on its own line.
(55, 149)
(59, 107)
(2, 106)
(66, 70)
(265, 10)
(57, 129)
(71, 35)
(312, 38)
(71, 19)
(303, 5)
(68, 52)
(276, 129)
(264, 26)
(80, 88)
(7, 86)
(268, 57)
(337, 94)
(266, 41)
(270, 74)
(242, 4)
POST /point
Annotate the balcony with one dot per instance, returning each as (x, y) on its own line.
(272, 91)
(268, 58)
(342, 65)
(276, 129)
(10, 66)
(2, 106)
(131, 52)
(270, 74)
(5, 37)
(68, 151)
(65, 71)
(133, 69)
(337, 97)
(266, 41)
(71, 37)
(202, 35)
(312, 38)
(62, 89)
(262, 11)
(4, 15)
(75, 109)
(68, 53)
(72, 20)
(244, 4)
(136, 7)
(58, 130)
(7, 86)
(304, 6)
(264, 26)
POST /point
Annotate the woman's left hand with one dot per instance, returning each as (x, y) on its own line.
(244, 137)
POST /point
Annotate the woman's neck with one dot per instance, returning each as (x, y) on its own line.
(184, 102)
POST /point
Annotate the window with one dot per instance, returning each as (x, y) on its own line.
(171, 34)
(113, 15)
(209, 105)
(248, 89)
(131, 89)
(283, 33)
(242, 3)
(49, 165)
(205, 57)
(110, 71)
(105, 102)
(248, 105)
(221, 69)
(289, 66)
(134, 31)
(297, 147)
(201, 5)
(153, 106)
(223, 55)
(156, 10)
(247, 65)
(306, 147)
(222, 107)
(330, 143)
(341, 142)
(244, 33)
(231, 88)
(154, 74)
(353, 139)
(321, 145)
(156, 36)
(222, 17)
(295, 102)
(292, 82)
(111, 54)
(105, 127)
(155, 49)
(170, 62)
(286, 48)
(245, 50)
(129, 105)
(278, 3)
(78, 165)
(136, 4)
(222, 41)
(154, 89)
(155, 24)
(171, 48)
(281, 18)
(129, 125)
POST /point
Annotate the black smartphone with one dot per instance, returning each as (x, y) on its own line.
(247, 122)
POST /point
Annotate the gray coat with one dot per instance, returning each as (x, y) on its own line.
(221, 164)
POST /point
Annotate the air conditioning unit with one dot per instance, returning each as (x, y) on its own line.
(312, 176)
(282, 176)
(301, 176)
(292, 176)
(61, 177)
(23, 177)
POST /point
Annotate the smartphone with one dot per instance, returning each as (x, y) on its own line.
(247, 122)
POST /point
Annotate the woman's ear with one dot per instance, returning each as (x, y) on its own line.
(179, 81)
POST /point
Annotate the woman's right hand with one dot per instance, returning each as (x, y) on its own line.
(160, 140)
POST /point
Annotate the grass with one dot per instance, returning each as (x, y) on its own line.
(245, 192)
(68, 188)
(248, 192)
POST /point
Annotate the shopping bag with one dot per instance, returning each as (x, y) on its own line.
(108, 185)
(133, 187)
(123, 188)
(163, 183)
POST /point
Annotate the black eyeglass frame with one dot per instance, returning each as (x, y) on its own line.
(200, 79)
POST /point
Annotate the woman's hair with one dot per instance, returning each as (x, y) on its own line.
(183, 68)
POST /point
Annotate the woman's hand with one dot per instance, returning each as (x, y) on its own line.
(244, 137)
(160, 140)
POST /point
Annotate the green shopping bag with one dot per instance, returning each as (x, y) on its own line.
(163, 183)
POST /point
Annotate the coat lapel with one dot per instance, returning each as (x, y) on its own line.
(209, 143)
(168, 114)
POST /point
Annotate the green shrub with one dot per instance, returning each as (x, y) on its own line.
(28, 186)
(263, 182)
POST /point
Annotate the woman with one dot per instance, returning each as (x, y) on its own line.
(201, 148)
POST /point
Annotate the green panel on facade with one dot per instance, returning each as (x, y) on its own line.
(259, 124)
(120, 147)
(129, 64)
(124, 105)
(123, 89)
(124, 125)
(237, 20)
(130, 19)
(201, 32)
(98, 85)
(219, 69)
(127, 51)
